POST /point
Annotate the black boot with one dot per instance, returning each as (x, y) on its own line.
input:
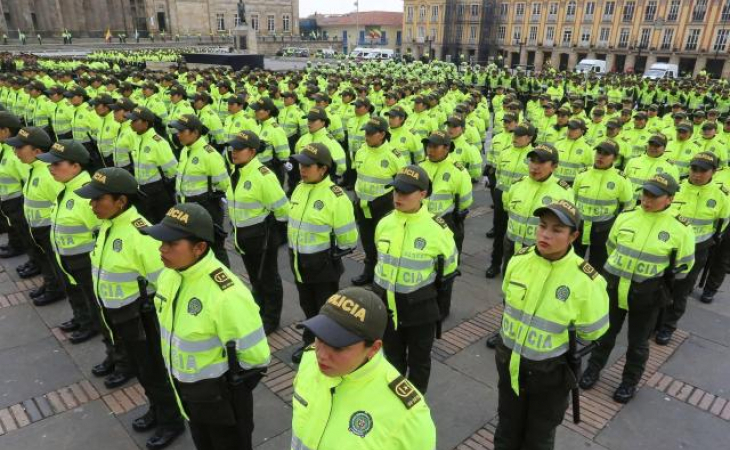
(366, 277)
(145, 422)
(164, 436)
(493, 271)
(708, 296)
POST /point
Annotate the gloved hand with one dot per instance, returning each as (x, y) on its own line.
(288, 166)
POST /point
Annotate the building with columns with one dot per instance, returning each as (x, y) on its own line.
(629, 34)
(93, 17)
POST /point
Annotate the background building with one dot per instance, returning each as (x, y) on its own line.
(93, 17)
(364, 29)
(629, 34)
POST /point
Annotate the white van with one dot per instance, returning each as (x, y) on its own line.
(372, 53)
(662, 70)
(595, 66)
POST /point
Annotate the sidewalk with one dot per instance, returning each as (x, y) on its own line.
(50, 401)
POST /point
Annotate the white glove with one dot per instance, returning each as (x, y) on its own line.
(288, 166)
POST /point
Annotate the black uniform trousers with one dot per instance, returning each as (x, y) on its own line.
(212, 204)
(366, 228)
(528, 421)
(312, 296)
(596, 250)
(223, 420)
(642, 316)
(260, 246)
(720, 264)
(139, 337)
(457, 227)
(42, 253)
(156, 202)
(682, 289)
(18, 238)
(500, 229)
(409, 350)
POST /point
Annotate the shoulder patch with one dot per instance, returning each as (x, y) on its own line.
(264, 170)
(157, 138)
(724, 190)
(564, 184)
(209, 148)
(523, 251)
(396, 153)
(337, 190)
(139, 223)
(404, 390)
(683, 220)
(274, 125)
(588, 270)
(459, 165)
(221, 279)
(440, 221)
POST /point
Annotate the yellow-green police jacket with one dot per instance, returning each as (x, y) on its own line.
(84, 123)
(511, 166)
(376, 167)
(704, 207)
(640, 169)
(574, 155)
(153, 158)
(13, 174)
(599, 196)
(61, 115)
(372, 408)
(40, 193)
(322, 136)
(73, 222)
(640, 244)
(448, 180)
(121, 255)
(277, 144)
(202, 170)
(406, 142)
(542, 299)
(521, 201)
(200, 309)
(469, 156)
(256, 194)
(106, 134)
(680, 153)
(409, 246)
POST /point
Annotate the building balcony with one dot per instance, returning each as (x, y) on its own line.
(535, 18)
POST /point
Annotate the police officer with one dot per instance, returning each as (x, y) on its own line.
(201, 176)
(450, 195)
(575, 154)
(73, 225)
(601, 193)
(40, 191)
(402, 137)
(108, 128)
(257, 206)
(276, 152)
(640, 169)
(213, 342)
(125, 142)
(321, 230)
(547, 289)
(706, 206)
(202, 103)
(154, 165)
(346, 394)
(125, 274)
(376, 163)
(464, 152)
(649, 246)
(317, 123)
(84, 122)
(417, 261)
(13, 175)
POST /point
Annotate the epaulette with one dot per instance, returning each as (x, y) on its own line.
(337, 190)
(440, 221)
(209, 148)
(459, 165)
(309, 348)
(683, 220)
(523, 251)
(404, 390)
(221, 279)
(564, 184)
(274, 125)
(396, 153)
(629, 209)
(588, 270)
(139, 223)
(157, 138)
(724, 190)
(264, 170)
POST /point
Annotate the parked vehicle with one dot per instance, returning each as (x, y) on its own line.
(595, 66)
(662, 70)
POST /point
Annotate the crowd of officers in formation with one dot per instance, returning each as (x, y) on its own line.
(96, 166)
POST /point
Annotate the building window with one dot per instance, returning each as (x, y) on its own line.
(533, 34)
(475, 10)
(650, 11)
(503, 9)
(435, 13)
(536, 11)
(570, 11)
(433, 34)
(667, 39)
(236, 20)
(255, 21)
(553, 11)
(623, 38)
(516, 36)
(460, 10)
(567, 37)
(725, 15)
(604, 36)
(409, 34)
(409, 14)
(519, 11)
(422, 13)
(698, 13)
(608, 10)
(501, 31)
(721, 40)
(421, 33)
(585, 36)
(270, 23)
(286, 22)
(673, 11)
(590, 8)
(220, 20)
(549, 35)
(692, 39)
(645, 38)
(459, 33)
(472, 34)
(628, 12)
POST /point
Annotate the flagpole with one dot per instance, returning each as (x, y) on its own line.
(357, 23)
